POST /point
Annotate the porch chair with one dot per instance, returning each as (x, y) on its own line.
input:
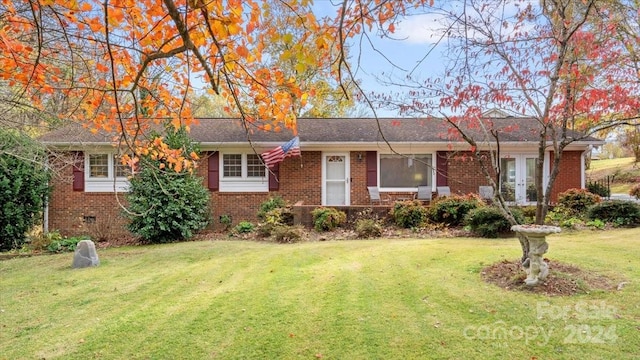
(486, 193)
(374, 195)
(443, 191)
(424, 193)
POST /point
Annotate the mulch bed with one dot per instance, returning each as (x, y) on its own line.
(563, 279)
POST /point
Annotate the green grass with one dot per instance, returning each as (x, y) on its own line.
(610, 165)
(621, 168)
(374, 299)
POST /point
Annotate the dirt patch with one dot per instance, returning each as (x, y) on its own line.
(563, 279)
(119, 241)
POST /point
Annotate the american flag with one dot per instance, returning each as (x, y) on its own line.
(290, 148)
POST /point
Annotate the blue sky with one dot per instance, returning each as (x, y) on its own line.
(413, 50)
(380, 57)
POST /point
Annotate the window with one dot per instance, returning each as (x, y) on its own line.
(104, 172)
(232, 165)
(243, 172)
(255, 167)
(120, 169)
(405, 171)
(99, 165)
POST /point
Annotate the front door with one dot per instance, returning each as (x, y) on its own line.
(517, 179)
(335, 176)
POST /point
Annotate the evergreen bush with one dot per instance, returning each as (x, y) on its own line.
(409, 214)
(167, 205)
(598, 189)
(24, 187)
(489, 221)
(619, 213)
(451, 210)
(327, 218)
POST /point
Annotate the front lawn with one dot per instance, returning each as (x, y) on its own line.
(359, 299)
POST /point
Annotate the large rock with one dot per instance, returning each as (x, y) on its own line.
(85, 255)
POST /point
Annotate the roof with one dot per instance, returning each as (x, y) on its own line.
(331, 131)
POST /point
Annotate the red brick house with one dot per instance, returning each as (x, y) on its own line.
(339, 159)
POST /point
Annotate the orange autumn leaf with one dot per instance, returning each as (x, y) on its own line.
(138, 69)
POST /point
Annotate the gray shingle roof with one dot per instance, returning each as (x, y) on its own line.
(330, 131)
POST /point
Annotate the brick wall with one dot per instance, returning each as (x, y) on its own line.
(300, 176)
(76, 213)
(464, 173)
(358, 182)
(570, 176)
(300, 179)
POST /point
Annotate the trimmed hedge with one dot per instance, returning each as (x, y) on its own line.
(451, 210)
(619, 213)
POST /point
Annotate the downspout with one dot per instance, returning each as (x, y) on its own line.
(45, 213)
(583, 170)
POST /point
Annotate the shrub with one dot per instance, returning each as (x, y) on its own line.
(244, 227)
(24, 187)
(559, 214)
(528, 214)
(164, 204)
(271, 203)
(327, 218)
(489, 222)
(597, 223)
(226, 221)
(264, 230)
(285, 234)
(409, 214)
(572, 223)
(635, 191)
(619, 213)
(40, 241)
(599, 189)
(451, 210)
(279, 216)
(368, 228)
(577, 200)
(64, 244)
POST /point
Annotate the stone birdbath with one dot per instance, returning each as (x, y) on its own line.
(537, 270)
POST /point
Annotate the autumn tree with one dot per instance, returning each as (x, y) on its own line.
(555, 62)
(98, 55)
(631, 140)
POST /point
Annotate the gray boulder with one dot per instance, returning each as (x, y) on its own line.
(85, 255)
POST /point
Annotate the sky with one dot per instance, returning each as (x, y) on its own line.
(417, 48)
(410, 50)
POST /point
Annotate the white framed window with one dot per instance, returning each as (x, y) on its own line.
(104, 172)
(243, 172)
(405, 172)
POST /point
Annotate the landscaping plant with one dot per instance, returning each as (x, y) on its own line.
(24, 187)
(409, 214)
(368, 228)
(489, 221)
(619, 213)
(286, 234)
(577, 200)
(327, 218)
(274, 202)
(167, 203)
(451, 210)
